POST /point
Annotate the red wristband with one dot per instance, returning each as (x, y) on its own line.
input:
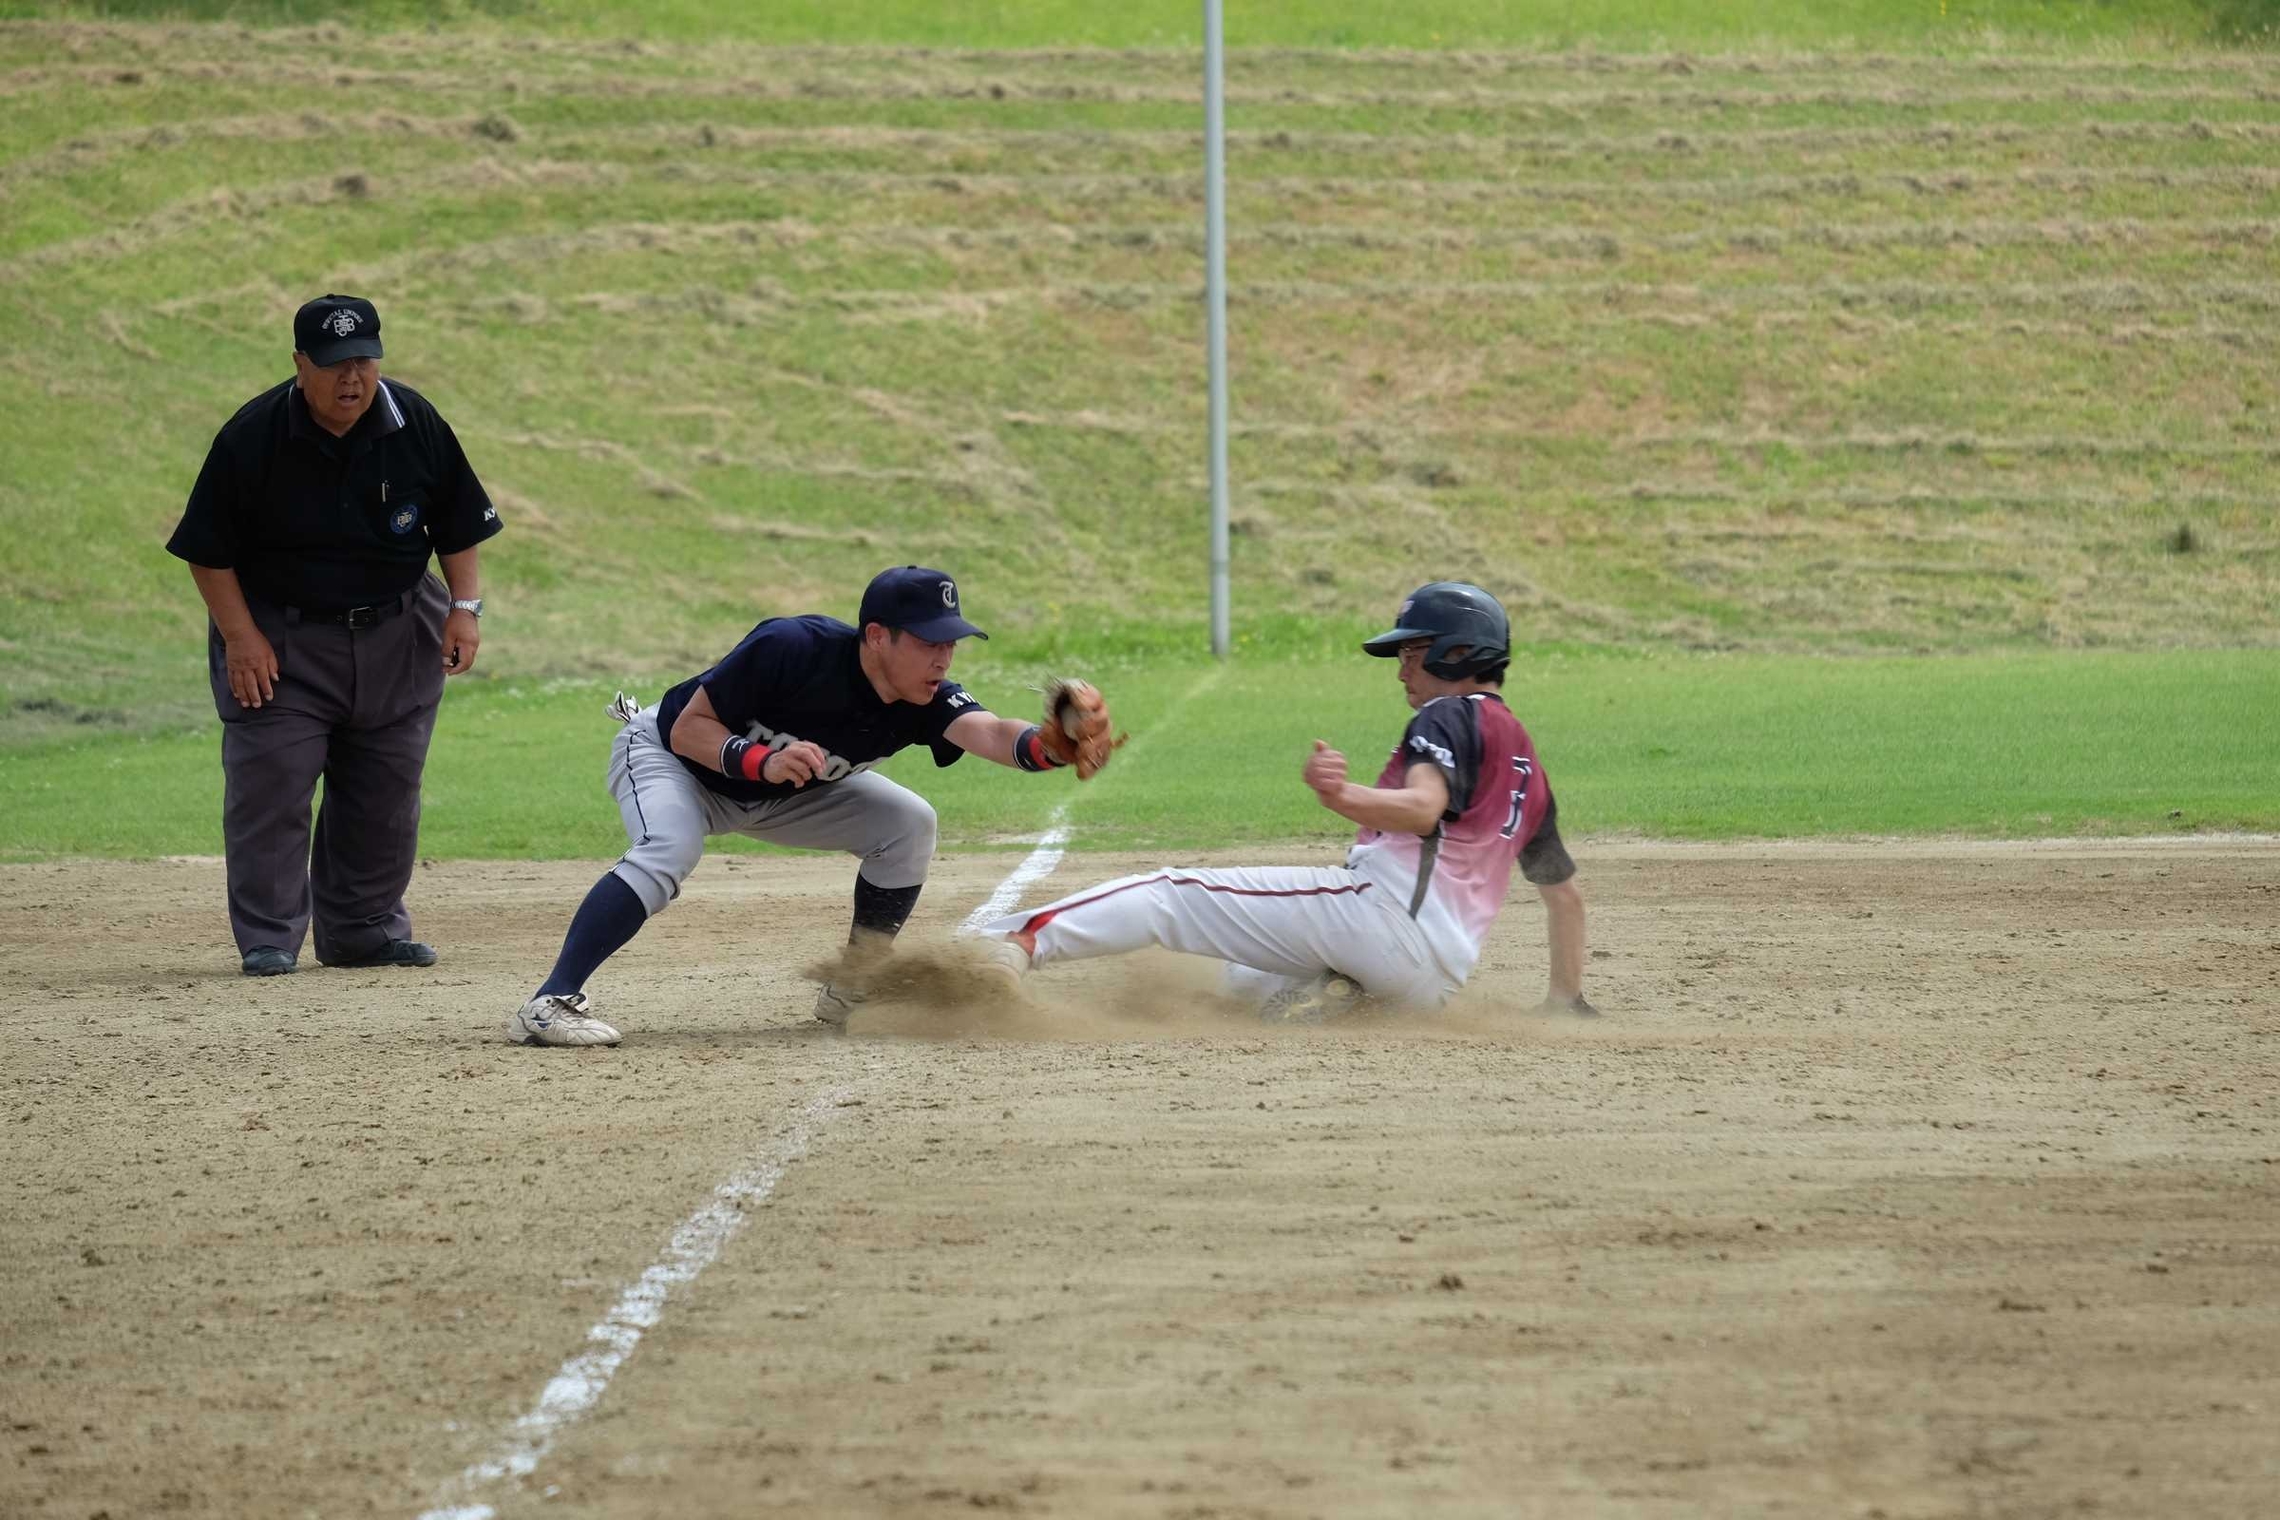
(741, 757)
(1029, 751)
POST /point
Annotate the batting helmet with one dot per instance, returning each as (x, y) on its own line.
(1454, 615)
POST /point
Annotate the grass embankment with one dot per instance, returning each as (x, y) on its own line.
(1704, 748)
(1610, 24)
(1807, 353)
(1777, 350)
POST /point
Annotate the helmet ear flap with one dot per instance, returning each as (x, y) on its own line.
(1450, 658)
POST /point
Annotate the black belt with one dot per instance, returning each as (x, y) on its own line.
(367, 616)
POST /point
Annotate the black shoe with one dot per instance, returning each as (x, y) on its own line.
(265, 960)
(397, 952)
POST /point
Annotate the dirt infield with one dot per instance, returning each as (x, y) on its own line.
(1929, 1180)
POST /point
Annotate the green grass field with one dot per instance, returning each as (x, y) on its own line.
(1857, 347)
(2030, 744)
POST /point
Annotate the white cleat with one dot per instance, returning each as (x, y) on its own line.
(1008, 958)
(833, 1004)
(554, 1018)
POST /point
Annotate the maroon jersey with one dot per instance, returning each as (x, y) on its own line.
(1453, 880)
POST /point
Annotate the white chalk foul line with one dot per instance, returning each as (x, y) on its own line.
(580, 1384)
(1040, 864)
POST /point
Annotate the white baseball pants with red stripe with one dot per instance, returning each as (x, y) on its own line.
(1274, 925)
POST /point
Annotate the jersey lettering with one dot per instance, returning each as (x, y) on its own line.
(1520, 763)
(835, 767)
(1440, 756)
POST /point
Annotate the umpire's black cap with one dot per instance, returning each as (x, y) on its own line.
(332, 328)
(916, 600)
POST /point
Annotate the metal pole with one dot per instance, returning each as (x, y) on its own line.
(1215, 302)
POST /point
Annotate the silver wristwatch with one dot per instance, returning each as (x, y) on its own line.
(472, 604)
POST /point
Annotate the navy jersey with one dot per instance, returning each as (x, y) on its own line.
(320, 522)
(1454, 879)
(802, 678)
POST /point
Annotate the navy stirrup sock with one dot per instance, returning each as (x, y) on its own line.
(611, 914)
(882, 910)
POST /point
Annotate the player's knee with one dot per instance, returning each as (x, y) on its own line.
(915, 826)
(656, 869)
(904, 844)
(679, 860)
(1422, 991)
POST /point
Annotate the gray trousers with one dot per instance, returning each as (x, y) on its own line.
(669, 814)
(355, 707)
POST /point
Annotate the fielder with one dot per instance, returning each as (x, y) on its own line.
(777, 741)
(1462, 798)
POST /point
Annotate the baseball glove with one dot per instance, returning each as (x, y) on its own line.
(1076, 728)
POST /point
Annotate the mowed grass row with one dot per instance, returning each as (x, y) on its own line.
(56, 128)
(2187, 239)
(1637, 31)
(2032, 744)
(1760, 351)
(2198, 229)
(1047, 93)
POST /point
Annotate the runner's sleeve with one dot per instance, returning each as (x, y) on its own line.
(1447, 733)
(951, 702)
(1544, 859)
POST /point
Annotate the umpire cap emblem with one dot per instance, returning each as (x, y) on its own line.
(950, 595)
(341, 323)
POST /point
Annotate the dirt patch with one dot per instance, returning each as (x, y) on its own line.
(1927, 1179)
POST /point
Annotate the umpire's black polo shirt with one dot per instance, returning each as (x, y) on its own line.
(325, 523)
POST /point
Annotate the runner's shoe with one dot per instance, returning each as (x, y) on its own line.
(1010, 957)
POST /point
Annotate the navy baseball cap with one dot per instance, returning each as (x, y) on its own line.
(332, 328)
(916, 600)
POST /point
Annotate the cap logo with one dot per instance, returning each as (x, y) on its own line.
(950, 595)
(1403, 615)
(341, 323)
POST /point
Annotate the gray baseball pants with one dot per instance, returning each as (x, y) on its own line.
(357, 708)
(669, 815)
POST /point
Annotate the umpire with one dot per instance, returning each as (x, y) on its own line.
(308, 534)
